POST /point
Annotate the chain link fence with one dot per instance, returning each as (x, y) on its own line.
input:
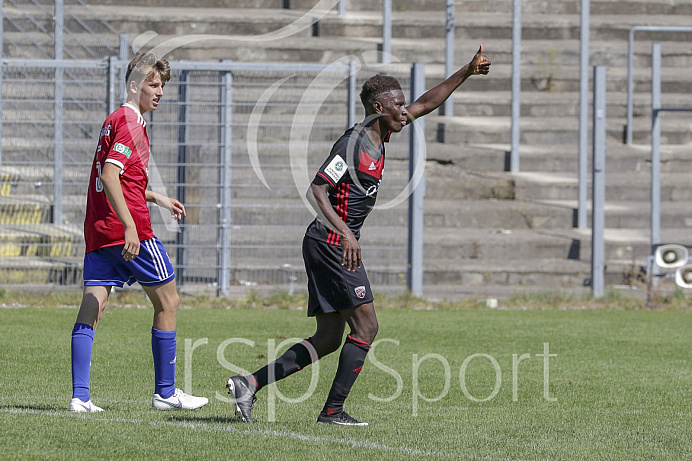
(237, 143)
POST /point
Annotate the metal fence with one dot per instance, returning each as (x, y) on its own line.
(237, 143)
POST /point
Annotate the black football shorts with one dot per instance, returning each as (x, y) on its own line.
(331, 287)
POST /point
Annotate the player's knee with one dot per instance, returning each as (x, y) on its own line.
(367, 331)
(371, 331)
(172, 303)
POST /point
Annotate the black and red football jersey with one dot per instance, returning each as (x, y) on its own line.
(354, 170)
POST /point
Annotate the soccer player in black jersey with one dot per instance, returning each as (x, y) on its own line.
(343, 193)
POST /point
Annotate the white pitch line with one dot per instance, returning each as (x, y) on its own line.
(262, 432)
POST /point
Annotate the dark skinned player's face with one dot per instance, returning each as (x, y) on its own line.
(391, 107)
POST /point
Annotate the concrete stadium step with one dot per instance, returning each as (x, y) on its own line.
(554, 104)
(481, 26)
(89, 92)
(538, 55)
(631, 244)
(405, 24)
(545, 130)
(252, 213)
(490, 213)
(79, 85)
(553, 273)
(40, 240)
(468, 244)
(86, 36)
(254, 275)
(632, 186)
(556, 158)
(633, 214)
(451, 182)
(500, 6)
(29, 43)
(532, 245)
(27, 271)
(468, 276)
(495, 215)
(538, 6)
(565, 79)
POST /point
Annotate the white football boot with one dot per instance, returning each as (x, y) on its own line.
(178, 401)
(78, 406)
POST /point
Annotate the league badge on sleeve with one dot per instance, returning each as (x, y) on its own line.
(336, 169)
(123, 149)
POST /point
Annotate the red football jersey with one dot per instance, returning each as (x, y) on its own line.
(124, 143)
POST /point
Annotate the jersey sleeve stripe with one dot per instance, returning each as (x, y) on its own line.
(116, 163)
(326, 178)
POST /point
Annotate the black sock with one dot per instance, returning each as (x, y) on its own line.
(351, 362)
(294, 359)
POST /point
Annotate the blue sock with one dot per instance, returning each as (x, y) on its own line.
(82, 342)
(163, 346)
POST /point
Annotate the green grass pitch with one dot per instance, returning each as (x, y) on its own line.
(445, 384)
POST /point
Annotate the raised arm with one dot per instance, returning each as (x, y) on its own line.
(433, 98)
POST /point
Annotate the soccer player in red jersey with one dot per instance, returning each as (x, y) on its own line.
(343, 193)
(120, 244)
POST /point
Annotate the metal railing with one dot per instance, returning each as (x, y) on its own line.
(656, 110)
(630, 69)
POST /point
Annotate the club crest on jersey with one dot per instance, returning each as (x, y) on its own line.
(360, 292)
(336, 168)
(122, 149)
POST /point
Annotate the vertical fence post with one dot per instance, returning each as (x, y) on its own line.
(655, 149)
(583, 114)
(2, 15)
(183, 141)
(352, 76)
(342, 7)
(516, 85)
(386, 56)
(58, 125)
(448, 106)
(598, 182)
(630, 85)
(415, 201)
(226, 162)
(123, 54)
(112, 85)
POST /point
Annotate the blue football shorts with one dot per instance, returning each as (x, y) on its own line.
(107, 267)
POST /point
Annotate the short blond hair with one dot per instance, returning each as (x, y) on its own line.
(145, 66)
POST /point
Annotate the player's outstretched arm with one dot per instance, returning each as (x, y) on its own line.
(433, 98)
(173, 205)
(318, 198)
